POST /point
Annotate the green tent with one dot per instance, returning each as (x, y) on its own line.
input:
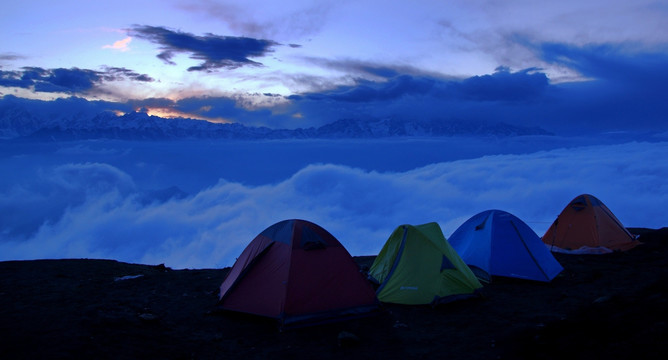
(418, 266)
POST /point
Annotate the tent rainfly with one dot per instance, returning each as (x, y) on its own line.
(497, 243)
(298, 273)
(587, 226)
(418, 266)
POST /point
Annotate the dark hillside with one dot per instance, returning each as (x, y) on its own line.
(602, 306)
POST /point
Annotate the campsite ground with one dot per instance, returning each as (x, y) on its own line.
(601, 306)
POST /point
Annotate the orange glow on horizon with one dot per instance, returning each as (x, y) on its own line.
(168, 113)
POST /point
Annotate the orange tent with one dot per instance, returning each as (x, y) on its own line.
(587, 226)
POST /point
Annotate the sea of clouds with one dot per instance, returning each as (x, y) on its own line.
(191, 206)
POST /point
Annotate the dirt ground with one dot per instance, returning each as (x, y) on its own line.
(610, 306)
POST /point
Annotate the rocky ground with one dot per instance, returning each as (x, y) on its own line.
(610, 306)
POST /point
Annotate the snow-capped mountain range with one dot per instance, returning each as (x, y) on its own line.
(16, 122)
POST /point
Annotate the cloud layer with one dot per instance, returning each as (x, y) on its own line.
(215, 51)
(96, 210)
(619, 88)
(68, 81)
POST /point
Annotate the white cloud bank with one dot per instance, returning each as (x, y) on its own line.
(103, 216)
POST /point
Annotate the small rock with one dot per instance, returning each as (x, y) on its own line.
(148, 317)
(162, 267)
(397, 324)
(602, 299)
(348, 339)
(127, 277)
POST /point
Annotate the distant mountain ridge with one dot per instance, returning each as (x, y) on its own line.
(16, 122)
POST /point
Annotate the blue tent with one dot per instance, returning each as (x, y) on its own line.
(500, 244)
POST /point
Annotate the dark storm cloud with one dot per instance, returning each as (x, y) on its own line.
(61, 107)
(627, 89)
(69, 81)
(624, 91)
(503, 85)
(151, 103)
(490, 98)
(10, 57)
(610, 62)
(214, 51)
(363, 68)
(366, 91)
(395, 82)
(14, 79)
(230, 109)
(33, 73)
(116, 73)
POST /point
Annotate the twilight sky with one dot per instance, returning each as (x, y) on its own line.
(567, 66)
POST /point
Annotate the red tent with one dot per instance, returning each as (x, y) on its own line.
(297, 272)
(586, 225)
